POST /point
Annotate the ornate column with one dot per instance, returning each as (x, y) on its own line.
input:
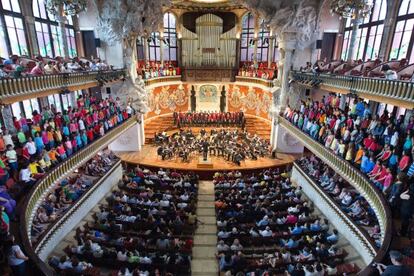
(79, 40)
(287, 44)
(7, 117)
(61, 18)
(31, 35)
(145, 49)
(256, 34)
(161, 47)
(352, 44)
(271, 50)
(389, 27)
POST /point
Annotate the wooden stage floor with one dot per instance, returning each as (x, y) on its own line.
(148, 157)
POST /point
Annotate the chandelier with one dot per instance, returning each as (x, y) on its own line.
(352, 8)
(70, 7)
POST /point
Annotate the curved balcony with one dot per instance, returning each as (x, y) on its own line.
(18, 89)
(400, 93)
(260, 81)
(354, 233)
(41, 188)
(162, 79)
(356, 178)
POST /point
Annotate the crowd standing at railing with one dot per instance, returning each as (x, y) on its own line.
(156, 69)
(146, 227)
(16, 66)
(267, 209)
(347, 197)
(51, 136)
(380, 146)
(260, 71)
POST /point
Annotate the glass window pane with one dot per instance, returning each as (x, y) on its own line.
(58, 104)
(16, 110)
(35, 105)
(27, 109)
(4, 52)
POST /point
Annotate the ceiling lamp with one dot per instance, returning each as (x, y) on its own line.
(69, 7)
(352, 8)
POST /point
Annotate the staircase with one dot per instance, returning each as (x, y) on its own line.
(166, 123)
(204, 262)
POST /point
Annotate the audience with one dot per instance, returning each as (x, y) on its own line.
(67, 191)
(266, 227)
(15, 67)
(144, 228)
(380, 146)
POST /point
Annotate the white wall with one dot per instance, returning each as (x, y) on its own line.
(112, 54)
(130, 140)
(285, 142)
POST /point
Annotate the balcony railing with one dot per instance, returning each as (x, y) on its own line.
(12, 89)
(37, 194)
(264, 82)
(162, 79)
(361, 234)
(355, 177)
(401, 92)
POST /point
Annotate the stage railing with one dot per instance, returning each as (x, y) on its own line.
(355, 177)
(399, 92)
(29, 87)
(41, 188)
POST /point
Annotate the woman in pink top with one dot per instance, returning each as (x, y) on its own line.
(37, 70)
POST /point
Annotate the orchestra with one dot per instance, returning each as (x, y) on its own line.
(205, 119)
(233, 145)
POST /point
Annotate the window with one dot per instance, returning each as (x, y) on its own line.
(154, 47)
(170, 37)
(345, 46)
(66, 100)
(3, 42)
(11, 5)
(48, 32)
(44, 39)
(29, 106)
(402, 42)
(70, 36)
(16, 110)
(369, 34)
(263, 43)
(55, 100)
(247, 38)
(276, 52)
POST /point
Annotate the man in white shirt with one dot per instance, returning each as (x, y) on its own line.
(26, 176)
(266, 233)
(31, 147)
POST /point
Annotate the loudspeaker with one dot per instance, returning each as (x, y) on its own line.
(108, 90)
(97, 43)
(307, 92)
(319, 44)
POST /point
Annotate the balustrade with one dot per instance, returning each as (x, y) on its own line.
(27, 86)
(399, 91)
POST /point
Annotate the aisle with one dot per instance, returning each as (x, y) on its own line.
(205, 238)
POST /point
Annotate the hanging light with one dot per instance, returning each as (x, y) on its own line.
(352, 8)
(70, 7)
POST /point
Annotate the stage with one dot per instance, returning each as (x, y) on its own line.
(148, 157)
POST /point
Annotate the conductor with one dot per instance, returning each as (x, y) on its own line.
(204, 147)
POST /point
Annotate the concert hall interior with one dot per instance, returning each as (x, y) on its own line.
(206, 137)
